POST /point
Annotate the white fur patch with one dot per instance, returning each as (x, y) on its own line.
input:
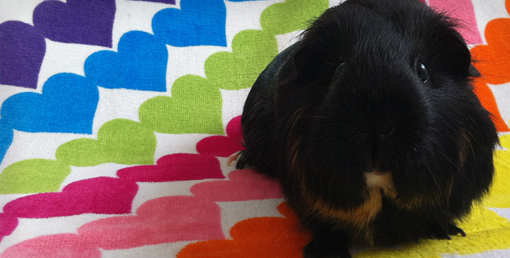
(375, 180)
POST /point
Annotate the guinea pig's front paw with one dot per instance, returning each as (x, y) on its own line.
(445, 231)
(324, 247)
(233, 157)
(312, 252)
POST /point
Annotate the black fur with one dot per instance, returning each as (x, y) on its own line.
(320, 130)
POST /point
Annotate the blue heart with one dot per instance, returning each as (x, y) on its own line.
(198, 22)
(67, 105)
(139, 64)
(6, 136)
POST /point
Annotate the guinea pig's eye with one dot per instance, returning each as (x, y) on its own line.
(339, 69)
(422, 72)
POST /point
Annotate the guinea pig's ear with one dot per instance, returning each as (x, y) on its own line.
(313, 63)
(471, 70)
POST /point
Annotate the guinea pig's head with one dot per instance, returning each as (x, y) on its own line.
(384, 87)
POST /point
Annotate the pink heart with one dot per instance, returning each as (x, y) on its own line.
(60, 245)
(162, 220)
(103, 195)
(244, 184)
(175, 167)
(465, 12)
(223, 146)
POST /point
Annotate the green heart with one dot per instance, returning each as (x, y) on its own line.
(33, 176)
(291, 15)
(252, 50)
(118, 141)
(195, 107)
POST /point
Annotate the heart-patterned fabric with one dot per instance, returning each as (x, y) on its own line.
(117, 118)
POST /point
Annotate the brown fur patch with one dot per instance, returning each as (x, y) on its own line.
(465, 147)
(294, 141)
(414, 204)
(359, 218)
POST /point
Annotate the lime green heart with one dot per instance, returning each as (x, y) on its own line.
(252, 51)
(195, 107)
(33, 176)
(118, 141)
(291, 15)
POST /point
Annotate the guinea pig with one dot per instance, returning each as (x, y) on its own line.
(371, 126)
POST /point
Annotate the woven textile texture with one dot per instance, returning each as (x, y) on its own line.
(118, 116)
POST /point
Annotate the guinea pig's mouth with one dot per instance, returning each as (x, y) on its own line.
(377, 173)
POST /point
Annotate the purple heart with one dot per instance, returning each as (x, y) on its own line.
(77, 21)
(158, 1)
(22, 51)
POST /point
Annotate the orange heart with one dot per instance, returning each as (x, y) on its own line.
(269, 237)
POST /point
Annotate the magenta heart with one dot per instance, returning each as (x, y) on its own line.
(7, 225)
(77, 21)
(223, 146)
(175, 167)
(21, 53)
(162, 220)
(243, 185)
(101, 195)
(234, 129)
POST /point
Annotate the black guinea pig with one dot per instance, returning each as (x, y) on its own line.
(371, 125)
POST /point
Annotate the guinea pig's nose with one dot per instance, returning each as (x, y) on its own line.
(360, 130)
(379, 131)
(386, 130)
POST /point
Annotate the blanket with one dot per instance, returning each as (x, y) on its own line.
(118, 116)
